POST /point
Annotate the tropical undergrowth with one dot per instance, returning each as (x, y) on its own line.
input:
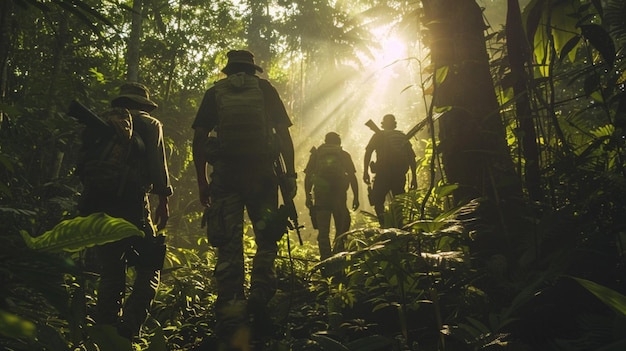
(390, 289)
(557, 284)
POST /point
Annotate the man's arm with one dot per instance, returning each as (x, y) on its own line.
(287, 152)
(281, 123)
(366, 163)
(286, 149)
(200, 136)
(151, 132)
(308, 179)
(308, 187)
(355, 190)
(413, 166)
(354, 185)
(369, 149)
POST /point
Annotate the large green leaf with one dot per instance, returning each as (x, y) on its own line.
(79, 233)
(611, 298)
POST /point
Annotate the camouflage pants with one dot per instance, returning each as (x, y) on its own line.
(230, 195)
(113, 306)
(329, 205)
(383, 184)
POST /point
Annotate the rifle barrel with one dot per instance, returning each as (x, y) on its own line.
(85, 116)
(371, 125)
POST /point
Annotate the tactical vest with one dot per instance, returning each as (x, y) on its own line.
(243, 129)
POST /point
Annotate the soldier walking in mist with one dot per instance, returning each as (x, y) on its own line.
(394, 157)
(329, 173)
(252, 134)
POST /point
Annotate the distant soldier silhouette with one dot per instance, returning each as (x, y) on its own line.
(329, 173)
(394, 157)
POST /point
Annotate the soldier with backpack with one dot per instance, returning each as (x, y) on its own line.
(394, 157)
(329, 173)
(118, 167)
(242, 130)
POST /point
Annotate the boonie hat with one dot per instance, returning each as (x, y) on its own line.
(241, 57)
(138, 93)
(388, 119)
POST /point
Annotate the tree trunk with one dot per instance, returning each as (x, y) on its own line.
(134, 41)
(472, 136)
(519, 55)
(62, 38)
(259, 32)
(173, 55)
(473, 139)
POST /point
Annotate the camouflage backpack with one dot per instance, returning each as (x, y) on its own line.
(329, 169)
(110, 162)
(243, 130)
(393, 154)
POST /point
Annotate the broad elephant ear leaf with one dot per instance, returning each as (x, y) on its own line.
(78, 233)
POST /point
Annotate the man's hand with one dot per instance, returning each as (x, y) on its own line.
(366, 177)
(162, 213)
(413, 183)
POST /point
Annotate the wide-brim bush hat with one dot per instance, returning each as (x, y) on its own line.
(138, 93)
(244, 57)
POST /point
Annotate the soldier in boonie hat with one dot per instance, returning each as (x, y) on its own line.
(119, 171)
(138, 94)
(245, 110)
(237, 59)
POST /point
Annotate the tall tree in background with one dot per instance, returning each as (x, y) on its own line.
(259, 31)
(134, 41)
(472, 136)
(522, 72)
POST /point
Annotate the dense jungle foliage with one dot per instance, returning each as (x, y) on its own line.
(513, 239)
